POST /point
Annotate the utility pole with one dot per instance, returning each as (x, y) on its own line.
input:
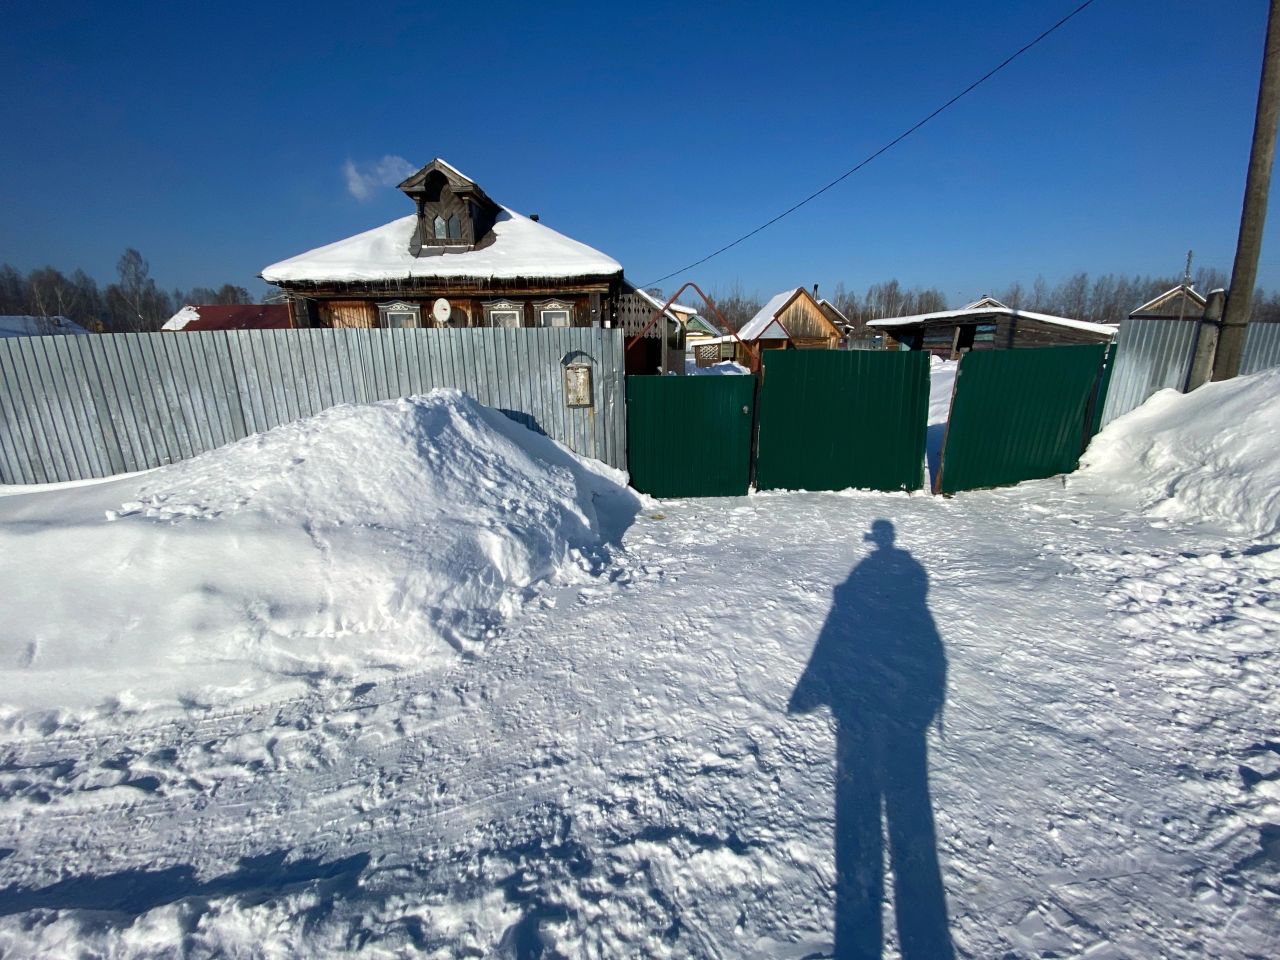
(1244, 272)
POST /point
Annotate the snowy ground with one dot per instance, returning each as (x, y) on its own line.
(616, 773)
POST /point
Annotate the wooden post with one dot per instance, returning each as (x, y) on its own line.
(1244, 273)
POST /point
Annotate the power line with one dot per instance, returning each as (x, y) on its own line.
(892, 143)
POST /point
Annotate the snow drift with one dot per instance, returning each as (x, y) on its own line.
(1210, 455)
(381, 535)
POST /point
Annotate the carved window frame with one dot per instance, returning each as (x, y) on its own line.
(543, 307)
(494, 308)
(411, 311)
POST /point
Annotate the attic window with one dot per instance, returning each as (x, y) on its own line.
(399, 314)
(455, 228)
(440, 229)
(555, 313)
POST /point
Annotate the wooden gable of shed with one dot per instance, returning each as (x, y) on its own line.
(806, 321)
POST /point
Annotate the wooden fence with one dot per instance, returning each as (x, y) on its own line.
(72, 408)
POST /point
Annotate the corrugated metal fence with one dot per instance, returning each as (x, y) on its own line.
(1019, 415)
(1155, 354)
(78, 407)
(1261, 347)
(1151, 354)
(834, 419)
(690, 436)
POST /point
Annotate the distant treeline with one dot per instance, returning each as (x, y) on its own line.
(1102, 299)
(132, 304)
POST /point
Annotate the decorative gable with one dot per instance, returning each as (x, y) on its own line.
(453, 212)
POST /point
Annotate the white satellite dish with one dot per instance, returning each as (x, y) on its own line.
(441, 310)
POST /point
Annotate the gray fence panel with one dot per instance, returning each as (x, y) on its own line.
(70, 383)
(48, 416)
(79, 407)
(1151, 355)
(1261, 347)
(21, 406)
(111, 439)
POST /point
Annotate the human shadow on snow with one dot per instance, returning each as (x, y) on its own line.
(880, 666)
(134, 892)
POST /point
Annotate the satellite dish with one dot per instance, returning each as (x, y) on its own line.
(441, 310)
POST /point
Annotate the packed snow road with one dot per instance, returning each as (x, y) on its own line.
(618, 773)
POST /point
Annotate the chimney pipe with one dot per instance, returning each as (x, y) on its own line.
(815, 291)
(534, 217)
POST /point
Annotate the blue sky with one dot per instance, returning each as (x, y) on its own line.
(214, 137)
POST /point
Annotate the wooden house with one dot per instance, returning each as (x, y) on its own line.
(986, 325)
(459, 260)
(790, 320)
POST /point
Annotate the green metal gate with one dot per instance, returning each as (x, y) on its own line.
(834, 419)
(690, 436)
(1019, 415)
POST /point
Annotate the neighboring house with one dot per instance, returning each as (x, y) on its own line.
(791, 319)
(1182, 302)
(245, 316)
(28, 326)
(460, 260)
(986, 325)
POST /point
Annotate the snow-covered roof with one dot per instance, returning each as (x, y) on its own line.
(983, 302)
(450, 166)
(1168, 295)
(516, 248)
(965, 314)
(28, 326)
(180, 319)
(764, 325)
(671, 310)
(834, 309)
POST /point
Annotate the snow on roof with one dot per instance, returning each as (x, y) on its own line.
(517, 248)
(964, 314)
(1168, 295)
(449, 166)
(984, 302)
(764, 324)
(28, 326)
(180, 319)
(834, 309)
(658, 304)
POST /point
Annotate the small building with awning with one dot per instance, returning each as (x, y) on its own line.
(986, 324)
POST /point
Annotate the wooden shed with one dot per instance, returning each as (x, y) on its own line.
(1180, 303)
(790, 320)
(986, 325)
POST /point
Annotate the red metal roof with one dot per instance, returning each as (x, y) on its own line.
(248, 316)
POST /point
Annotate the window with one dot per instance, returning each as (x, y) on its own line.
(440, 229)
(504, 313)
(455, 228)
(399, 314)
(555, 313)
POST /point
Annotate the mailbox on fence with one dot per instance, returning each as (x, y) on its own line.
(577, 379)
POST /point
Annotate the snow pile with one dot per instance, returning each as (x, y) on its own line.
(1213, 454)
(719, 369)
(376, 536)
